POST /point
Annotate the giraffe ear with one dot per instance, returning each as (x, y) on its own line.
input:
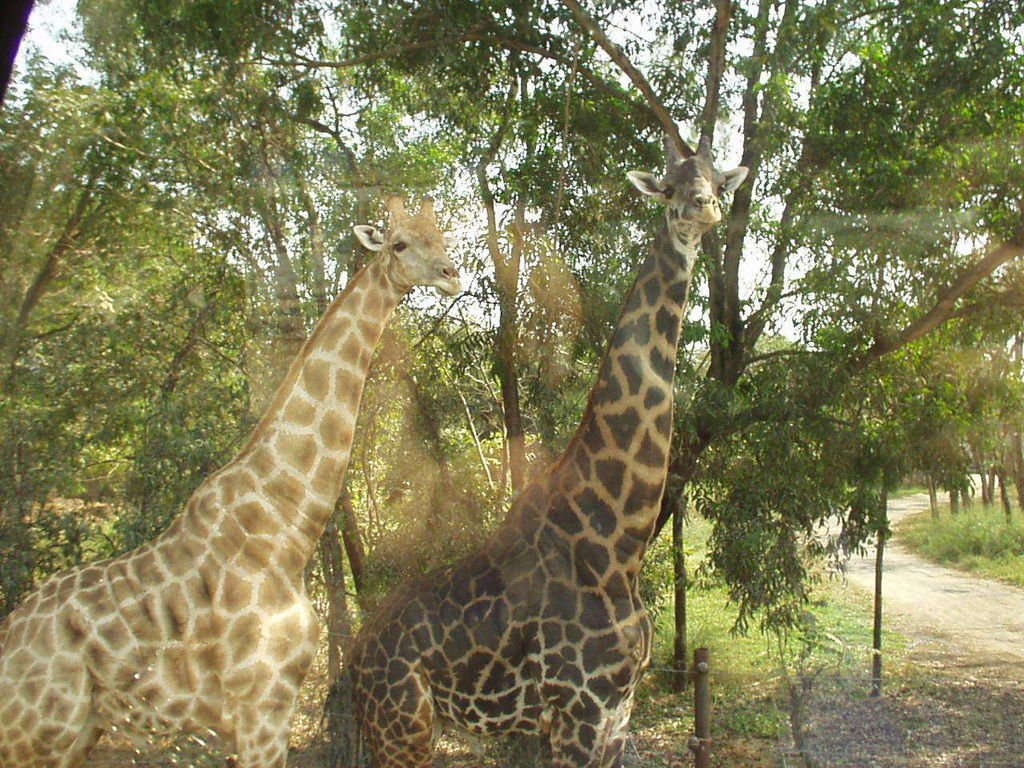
(733, 178)
(648, 184)
(369, 236)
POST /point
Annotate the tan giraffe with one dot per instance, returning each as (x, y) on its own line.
(208, 627)
(542, 630)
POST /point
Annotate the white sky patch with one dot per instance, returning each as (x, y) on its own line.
(54, 32)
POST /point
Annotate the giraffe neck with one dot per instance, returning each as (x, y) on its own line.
(615, 467)
(282, 487)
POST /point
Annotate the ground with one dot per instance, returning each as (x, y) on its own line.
(982, 619)
(953, 696)
(959, 701)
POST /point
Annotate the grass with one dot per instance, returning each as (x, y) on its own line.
(978, 540)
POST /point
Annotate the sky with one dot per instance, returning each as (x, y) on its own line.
(52, 29)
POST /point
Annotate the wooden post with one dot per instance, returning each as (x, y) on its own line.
(679, 593)
(876, 644)
(700, 742)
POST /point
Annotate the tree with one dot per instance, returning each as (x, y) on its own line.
(99, 323)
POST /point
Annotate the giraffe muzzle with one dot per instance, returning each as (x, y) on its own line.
(706, 210)
(448, 280)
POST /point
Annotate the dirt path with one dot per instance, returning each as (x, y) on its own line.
(975, 616)
(959, 704)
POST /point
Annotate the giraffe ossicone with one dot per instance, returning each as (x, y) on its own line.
(542, 630)
(208, 628)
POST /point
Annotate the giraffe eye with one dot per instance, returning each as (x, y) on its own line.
(668, 191)
(399, 246)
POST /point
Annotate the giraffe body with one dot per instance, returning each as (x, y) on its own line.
(543, 631)
(208, 628)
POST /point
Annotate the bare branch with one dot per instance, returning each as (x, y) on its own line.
(716, 68)
(803, 175)
(622, 62)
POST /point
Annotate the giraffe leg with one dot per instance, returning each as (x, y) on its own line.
(46, 715)
(617, 733)
(82, 745)
(614, 750)
(399, 727)
(261, 739)
(584, 743)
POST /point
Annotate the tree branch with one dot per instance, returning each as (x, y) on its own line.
(945, 307)
(757, 320)
(716, 68)
(486, 194)
(192, 339)
(41, 282)
(817, 394)
(622, 62)
(477, 35)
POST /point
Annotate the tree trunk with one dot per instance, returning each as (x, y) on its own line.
(508, 375)
(289, 327)
(679, 659)
(722, 291)
(317, 252)
(351, 537)
(337, 710)
(290, 330)
(1016, 442)
(933, 497)
(1004, 495)
(1018, 465)
(506, 279)
(507, 264)
(339, 624)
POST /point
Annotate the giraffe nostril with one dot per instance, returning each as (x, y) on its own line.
(450, 272)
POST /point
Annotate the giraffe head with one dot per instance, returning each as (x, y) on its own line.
(690, 188)
(413, 248)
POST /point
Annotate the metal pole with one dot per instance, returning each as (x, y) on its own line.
(700, 742)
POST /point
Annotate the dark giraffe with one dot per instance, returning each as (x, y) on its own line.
(542, 631)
